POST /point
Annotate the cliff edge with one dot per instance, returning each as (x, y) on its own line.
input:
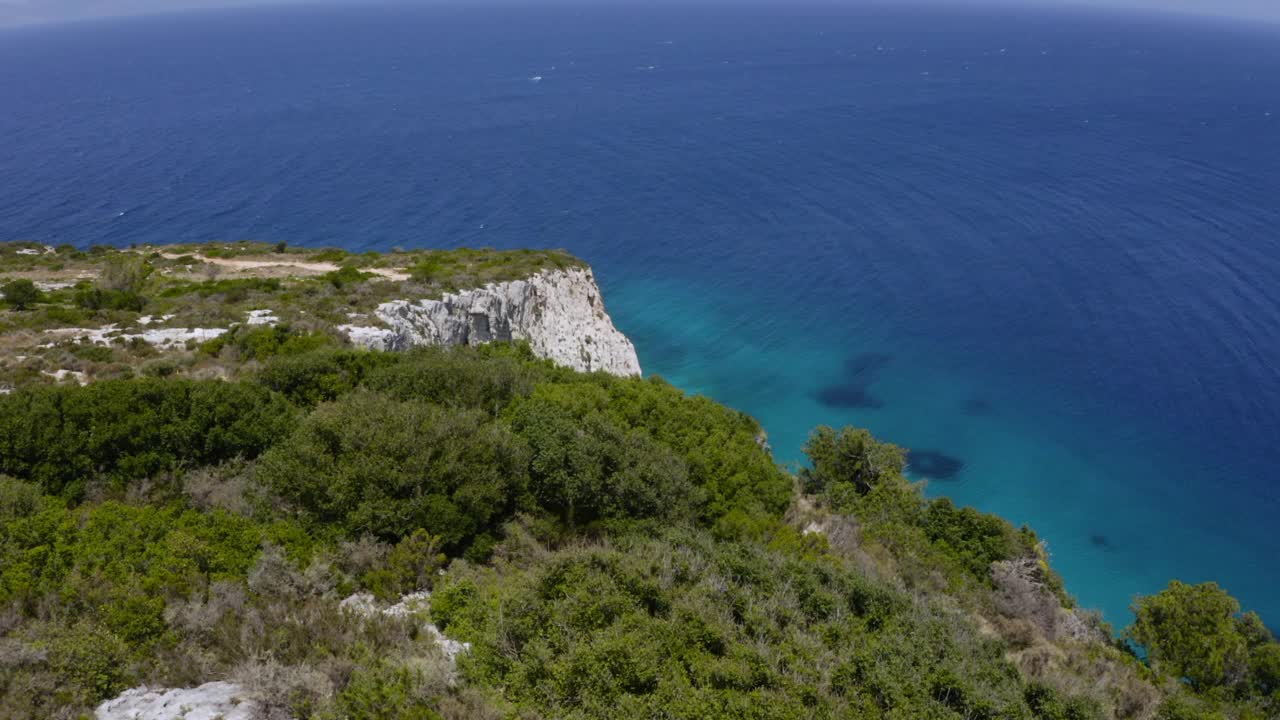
(560, 314)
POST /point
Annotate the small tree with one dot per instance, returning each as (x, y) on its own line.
(1192, 632)
(21, 294)
(849, 455)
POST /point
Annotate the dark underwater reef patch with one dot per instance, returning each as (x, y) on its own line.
(1101, 541)
(934, 464)
(977, 407)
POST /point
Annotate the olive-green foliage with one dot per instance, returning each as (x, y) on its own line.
(119, 285)
(116, 563)
(410, 566)
(721, 447)
(589, 469)
(975, 539)
(92, 352)
(380, 690)
(20, 294)
(851, 457)
(854, 473)
(462, 377)
(372, 464)
(1048, 704)
(619, 550)
(1196, 632)
(63, 437)
(96, 298)
(683, 626)
(260, 342)
(344, 276)
(320, 376)
(100, 578)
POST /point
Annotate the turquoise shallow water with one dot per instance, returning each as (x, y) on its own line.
(1041, 245)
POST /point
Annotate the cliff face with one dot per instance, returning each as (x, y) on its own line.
(559, 312)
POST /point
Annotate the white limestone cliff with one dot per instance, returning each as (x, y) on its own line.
(560, 313)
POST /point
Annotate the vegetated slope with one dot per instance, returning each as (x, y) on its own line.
(203, 310)
(609, 547)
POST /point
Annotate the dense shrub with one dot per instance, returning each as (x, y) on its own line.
(20, 294)
(1196, 633)
(589, 469)
(371, 464)
(849, 457)
(682, 626)
(261, 342)
(722, 449)
(462, 377)
(96, 298)
(311, 378)
(63, 437)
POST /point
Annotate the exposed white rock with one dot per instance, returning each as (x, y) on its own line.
(211, 701)
(50, 285)
(262, 317)
(62, 374)
(161, 337)
(374, 338)
(560, 314)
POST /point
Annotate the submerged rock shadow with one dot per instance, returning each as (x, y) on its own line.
(934, 464)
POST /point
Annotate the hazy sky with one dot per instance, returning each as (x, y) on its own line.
(17, 12)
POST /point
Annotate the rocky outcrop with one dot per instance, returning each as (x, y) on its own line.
(560, 313)
(1021, 593)
(211, 701)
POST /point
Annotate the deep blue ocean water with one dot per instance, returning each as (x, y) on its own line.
(1040, 247)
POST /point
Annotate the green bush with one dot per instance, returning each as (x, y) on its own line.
(261, 342)
(461, 377)
(97, 298)
(849, 456)
(590, 469)
(369, 464)
(62, 437)
(20, 294)
(311, 378)
(682, 626)
(91, 660)
(722, 449)
(345, 276)
(1189, 631)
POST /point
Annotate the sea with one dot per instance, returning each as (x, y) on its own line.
(1039, 247)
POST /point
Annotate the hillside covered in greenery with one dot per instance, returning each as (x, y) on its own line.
(607, 547)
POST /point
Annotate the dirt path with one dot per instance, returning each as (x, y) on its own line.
(291, 267)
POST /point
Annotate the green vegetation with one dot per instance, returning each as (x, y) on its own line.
(610, 548)
(1197, 634)
(20, 294)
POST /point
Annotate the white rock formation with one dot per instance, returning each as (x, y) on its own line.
(160, 337)
(211, 701)
(365, 604)
(559, 312)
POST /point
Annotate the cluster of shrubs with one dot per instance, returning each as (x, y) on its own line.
(610, 548)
